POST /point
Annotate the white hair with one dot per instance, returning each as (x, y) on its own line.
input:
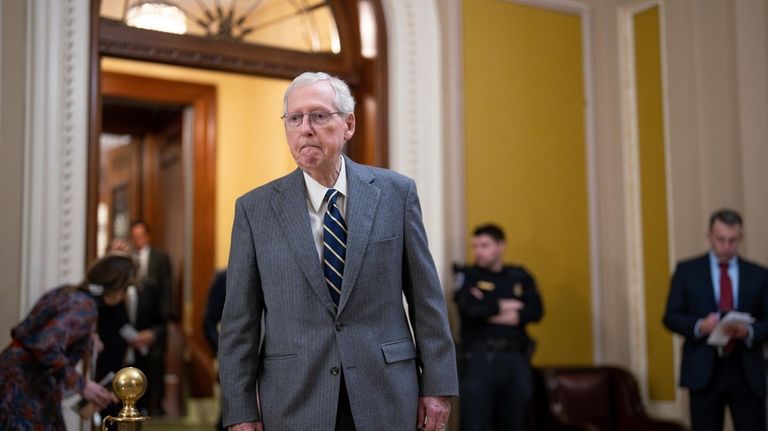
(344, 101)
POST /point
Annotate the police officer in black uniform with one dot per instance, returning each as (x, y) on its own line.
(496, 302)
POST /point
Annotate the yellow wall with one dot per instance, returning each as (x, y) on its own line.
(250, 143)
(526, 160)
(661, 377)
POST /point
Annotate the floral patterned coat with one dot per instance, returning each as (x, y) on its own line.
(38, 368)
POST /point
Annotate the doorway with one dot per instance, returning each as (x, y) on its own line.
(238, 165)
(157, 145)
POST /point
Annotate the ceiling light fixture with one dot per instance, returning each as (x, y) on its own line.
(157, 15)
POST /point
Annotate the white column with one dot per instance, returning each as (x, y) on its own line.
(415, 110)
(56, 153)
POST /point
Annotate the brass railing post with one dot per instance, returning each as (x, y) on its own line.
(129, 385)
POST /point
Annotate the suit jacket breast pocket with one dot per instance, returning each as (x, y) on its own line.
(400, 350)
(385, 239)
(385, 245)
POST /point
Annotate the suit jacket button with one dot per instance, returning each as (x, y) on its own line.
(335, 371)
(339, 326)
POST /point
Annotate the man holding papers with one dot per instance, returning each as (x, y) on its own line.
(722, 361)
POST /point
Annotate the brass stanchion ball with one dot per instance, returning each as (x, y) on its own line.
(129, 385)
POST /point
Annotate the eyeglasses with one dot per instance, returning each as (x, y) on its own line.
(294, 119)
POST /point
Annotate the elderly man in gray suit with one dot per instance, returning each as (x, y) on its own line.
(319, 263)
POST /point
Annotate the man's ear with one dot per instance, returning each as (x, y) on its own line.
(350, 122)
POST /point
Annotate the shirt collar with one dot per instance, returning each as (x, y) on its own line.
(716, 264)
(316, 191)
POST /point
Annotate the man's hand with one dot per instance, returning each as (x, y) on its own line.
(736, 331)
(143, 339)
(433, 413)
(708, 323)
(248, 426)
(509, 313)
(120, 245)
(477, 293)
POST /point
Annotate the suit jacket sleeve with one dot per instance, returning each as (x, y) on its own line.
(213, 311)
(162, 308)
(760, 327)
(677, 317)
(167, 297)
(426, 305)
(241, 326)
(533, 310)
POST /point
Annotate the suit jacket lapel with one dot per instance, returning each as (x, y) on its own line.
(290, 207)
(710, 288)
(744, 287)
(362, 204)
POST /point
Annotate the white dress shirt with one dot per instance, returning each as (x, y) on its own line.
(316, 204)
(733, 273)
(143, 258)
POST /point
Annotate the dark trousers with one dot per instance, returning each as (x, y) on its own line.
(728, 386)
(344, 420)
(495, 389)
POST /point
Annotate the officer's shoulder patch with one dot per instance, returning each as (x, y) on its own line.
(517, 290)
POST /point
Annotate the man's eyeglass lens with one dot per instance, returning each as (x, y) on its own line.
(294, 119)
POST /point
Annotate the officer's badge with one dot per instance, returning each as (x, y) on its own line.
(517, 290)
(486, 285)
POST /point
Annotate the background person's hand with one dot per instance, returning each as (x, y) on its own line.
(510, 304)
(248, 426)
(120, 244)
(433, 413)
(736, 331)
(97, 394)
(509, 313)
(143, 339)
(708, 323)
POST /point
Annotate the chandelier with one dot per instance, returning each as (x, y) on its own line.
(157, 15)
(295, 24)
(219, 19)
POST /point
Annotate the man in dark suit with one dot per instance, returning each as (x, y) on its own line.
(703, 290)
(213, 310)
(319, 265)
(146, 311)
(152, 312)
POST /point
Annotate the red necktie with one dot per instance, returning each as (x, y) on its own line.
(726, 289)
(726, 298)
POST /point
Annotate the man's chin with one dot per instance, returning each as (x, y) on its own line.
(310, 162)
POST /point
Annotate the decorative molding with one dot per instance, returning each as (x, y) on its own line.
(416, 110)
(633, 204)
(583, 11)
(53, 250)
(118, 40)
(454, 181)
(634, 264)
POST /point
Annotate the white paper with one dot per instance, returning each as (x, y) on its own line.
(718, 336)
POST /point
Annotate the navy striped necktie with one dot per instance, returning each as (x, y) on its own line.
(334, 245)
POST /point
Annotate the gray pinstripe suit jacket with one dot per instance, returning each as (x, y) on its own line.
(274, 273)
